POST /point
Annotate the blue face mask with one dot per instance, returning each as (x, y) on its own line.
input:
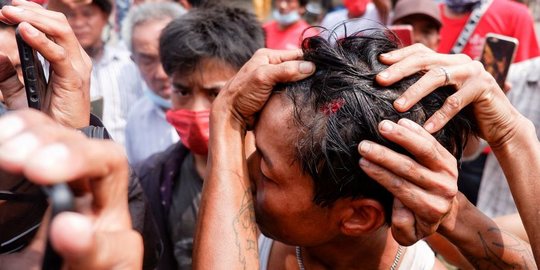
(461, 6)
(286, 19)
(157, 99)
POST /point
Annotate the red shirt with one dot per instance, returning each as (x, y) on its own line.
(288, 38)
(503, 17)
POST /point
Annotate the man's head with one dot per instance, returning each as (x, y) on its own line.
(201, 51)
(87, 20)
(424, 17)
(309, 186)
(141, 30)
(287, 12)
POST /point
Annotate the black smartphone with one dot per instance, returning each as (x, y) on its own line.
(35, 83)
(60, 199)
(497, 56)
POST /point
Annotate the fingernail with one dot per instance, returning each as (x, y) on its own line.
(51, 160)
(386, 126)
(429, 127)
(14, 9)
(365, 147)
(364, 163)
(386, 55)
(384, 74)
(9, 126)
(17, 149)
(400, 101)
(31, 31)
(306, 67)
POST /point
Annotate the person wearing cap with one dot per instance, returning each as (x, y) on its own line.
(116, 83)
(424, 17)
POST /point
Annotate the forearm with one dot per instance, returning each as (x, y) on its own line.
(519, 158)
(226, 231)
(482, 243)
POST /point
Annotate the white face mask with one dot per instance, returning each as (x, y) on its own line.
(286, 19)
(157, 99)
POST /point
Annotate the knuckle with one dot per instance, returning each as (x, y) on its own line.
(258, 76)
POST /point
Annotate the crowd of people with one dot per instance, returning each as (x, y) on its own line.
(196, 135)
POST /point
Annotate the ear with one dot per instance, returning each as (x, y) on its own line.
(362, 216)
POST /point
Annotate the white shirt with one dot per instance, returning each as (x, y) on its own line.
(370, 19)
(116, 79)
(419, 256)
(494, 197)
(147, 131)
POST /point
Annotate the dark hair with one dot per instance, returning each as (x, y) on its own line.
(303, 3)
(341, 105)
(227, 33)
(104, 5)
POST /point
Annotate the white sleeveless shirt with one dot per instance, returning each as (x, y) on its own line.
(417, 257)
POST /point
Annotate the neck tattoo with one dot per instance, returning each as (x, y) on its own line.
(397, 258)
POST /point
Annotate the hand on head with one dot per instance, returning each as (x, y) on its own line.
(49, 33)
(46, 153)
(247, 92)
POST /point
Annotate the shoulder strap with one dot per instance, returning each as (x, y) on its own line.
(471, 25)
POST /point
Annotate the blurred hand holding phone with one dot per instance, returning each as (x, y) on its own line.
(497, 56)
(404, 32)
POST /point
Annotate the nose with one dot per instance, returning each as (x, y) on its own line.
(160, 73)
(200, 102)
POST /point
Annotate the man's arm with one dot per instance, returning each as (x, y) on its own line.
(226, 236)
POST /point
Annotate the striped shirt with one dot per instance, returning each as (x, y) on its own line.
(147, 131)
(116, 79)
(494, 197)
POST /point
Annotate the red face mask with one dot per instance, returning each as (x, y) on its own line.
(192, 127)
(356, 8)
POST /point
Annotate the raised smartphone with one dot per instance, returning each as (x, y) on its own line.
(35, 83)
(404, 32)
(497, 56)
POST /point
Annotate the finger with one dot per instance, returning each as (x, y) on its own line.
(430, 153)
(83, 246)
(279, 56)
(12, 89)
(399, 173)
(403, 228)
(48, 153)
(419, 62)
(289, 71)
(53, 24)
(55, 54)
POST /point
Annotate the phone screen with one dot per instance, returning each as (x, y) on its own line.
(35, 83)
(497, 56)
(404, 33)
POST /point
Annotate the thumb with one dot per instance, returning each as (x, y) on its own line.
(75, 238)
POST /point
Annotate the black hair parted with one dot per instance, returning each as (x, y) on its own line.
(342, 104)
(224, 32)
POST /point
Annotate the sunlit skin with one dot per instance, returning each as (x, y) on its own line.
(145, 44)
(424, 30)
(197, 90)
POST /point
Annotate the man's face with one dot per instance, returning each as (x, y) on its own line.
(284, 205)
(197, 89)
(145, 43)
(8, 46)
(424, 31)
(286, 6)
(87, 22)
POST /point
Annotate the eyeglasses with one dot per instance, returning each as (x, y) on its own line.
(23, 225)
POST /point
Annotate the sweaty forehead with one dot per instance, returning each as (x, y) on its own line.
(275, 130)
